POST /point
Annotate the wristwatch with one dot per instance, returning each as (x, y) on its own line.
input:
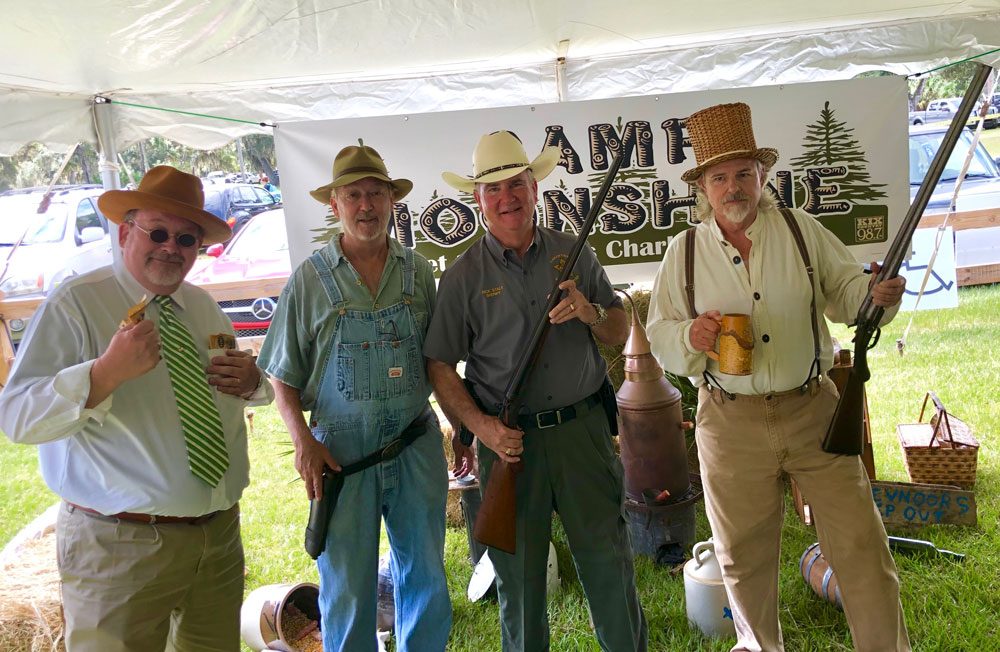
(602, 315)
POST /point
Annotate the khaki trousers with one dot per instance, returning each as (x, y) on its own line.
(744, 445)
(135, 587)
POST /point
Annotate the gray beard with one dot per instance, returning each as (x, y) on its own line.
(166, 278)
(738, 214)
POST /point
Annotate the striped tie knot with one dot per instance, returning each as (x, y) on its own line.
(199, 416)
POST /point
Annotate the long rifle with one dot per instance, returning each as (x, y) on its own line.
(845, 435)
(496, 523)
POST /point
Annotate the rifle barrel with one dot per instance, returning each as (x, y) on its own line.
(901, 243)
(541, 329)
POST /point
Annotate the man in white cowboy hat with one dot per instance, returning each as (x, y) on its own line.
(744, 258)
(345, 344)
(140, 432)
(488, 304)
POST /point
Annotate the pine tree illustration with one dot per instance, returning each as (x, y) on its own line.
(830, 142)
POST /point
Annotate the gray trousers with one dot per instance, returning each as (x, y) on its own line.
(572, 469)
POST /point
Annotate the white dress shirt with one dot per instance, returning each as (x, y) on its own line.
(774, 290)
(126, 454)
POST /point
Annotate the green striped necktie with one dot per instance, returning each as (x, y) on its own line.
(200, 421)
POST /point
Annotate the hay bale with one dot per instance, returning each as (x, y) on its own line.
(453, 508)
(30, 604)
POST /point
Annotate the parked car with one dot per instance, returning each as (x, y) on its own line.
(44, 242)
(945, 110)
(981, 186)
(237, 202)
(258, 251)
(936, 110)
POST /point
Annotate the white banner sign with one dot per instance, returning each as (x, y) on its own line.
(941, 290)
(842, 145)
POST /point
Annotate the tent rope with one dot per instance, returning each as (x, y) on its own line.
(953, 63)
(939, 236)
(192, 113)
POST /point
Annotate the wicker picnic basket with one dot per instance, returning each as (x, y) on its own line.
(941, 451)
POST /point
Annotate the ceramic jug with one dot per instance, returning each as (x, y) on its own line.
(705, 595)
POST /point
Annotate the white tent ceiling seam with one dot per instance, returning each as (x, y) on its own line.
(197, 56)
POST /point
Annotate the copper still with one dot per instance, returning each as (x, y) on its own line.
(653, 450)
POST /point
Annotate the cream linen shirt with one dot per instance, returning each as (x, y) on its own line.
(126, 454)
(772, 287)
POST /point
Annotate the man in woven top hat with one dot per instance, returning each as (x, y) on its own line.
(488, 304)
(345, 344)
(754, 428)
(140, 432)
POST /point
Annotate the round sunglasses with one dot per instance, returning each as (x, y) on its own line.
(159, 236)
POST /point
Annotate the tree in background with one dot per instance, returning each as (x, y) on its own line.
(947, 82)
(34, 164)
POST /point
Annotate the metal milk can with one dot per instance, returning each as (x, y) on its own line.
(704, 594)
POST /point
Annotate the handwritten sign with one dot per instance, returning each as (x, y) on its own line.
(907, 504)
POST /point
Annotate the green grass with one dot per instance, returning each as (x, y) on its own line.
(949, 606)
(991, 141)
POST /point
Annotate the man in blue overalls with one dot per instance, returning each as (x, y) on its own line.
(346, 344)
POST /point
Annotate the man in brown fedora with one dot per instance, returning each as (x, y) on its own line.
(140, 432)
(345, 344)
(748, 256)
(489, 302)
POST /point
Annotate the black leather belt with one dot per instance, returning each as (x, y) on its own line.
(552, 418)
(416, 428)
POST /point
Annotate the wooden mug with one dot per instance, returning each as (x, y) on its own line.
(735, 356)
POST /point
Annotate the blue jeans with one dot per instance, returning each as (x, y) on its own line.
(400, 492)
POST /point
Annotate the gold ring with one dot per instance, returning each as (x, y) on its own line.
(509, 451)
(572, 308)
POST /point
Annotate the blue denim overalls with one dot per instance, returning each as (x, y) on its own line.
(373, 385)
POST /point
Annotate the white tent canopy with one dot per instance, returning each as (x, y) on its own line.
(279, 60)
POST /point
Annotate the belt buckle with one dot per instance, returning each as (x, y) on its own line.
(541, 426)
(392, 449)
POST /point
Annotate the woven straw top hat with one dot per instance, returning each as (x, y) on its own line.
(167, 189)
(356, 162)
(498, 156)
(721, 133)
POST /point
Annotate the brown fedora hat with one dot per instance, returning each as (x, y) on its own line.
(722, 133)
(167, 189)
(356, 162)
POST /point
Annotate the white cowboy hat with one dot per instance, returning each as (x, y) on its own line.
(498, 156)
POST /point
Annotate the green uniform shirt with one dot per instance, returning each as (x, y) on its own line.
(489, 302)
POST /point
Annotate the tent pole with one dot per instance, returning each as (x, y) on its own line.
(107, 156)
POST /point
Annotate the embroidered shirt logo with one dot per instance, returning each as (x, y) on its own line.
(492, 292)
(559, 264)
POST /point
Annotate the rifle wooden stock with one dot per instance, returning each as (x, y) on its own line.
(496, 522)
(845, 434)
